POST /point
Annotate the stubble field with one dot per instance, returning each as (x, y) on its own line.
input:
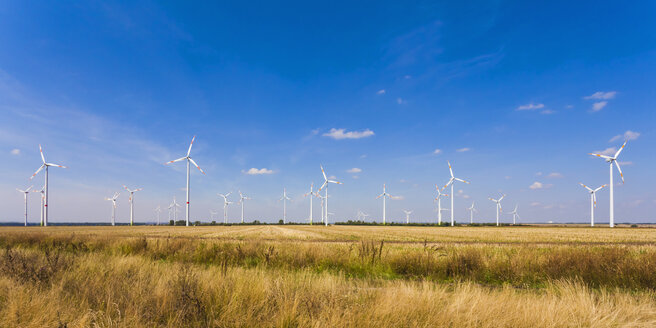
(337, 276)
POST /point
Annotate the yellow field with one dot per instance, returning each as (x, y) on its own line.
(337, 276)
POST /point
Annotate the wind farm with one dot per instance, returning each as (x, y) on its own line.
(365, 164)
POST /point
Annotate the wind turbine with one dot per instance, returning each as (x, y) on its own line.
(384, 194)
(311, 193)
(242, 198)
(174, 207)
(45, 186)
(225, 206)
(42, 192)
(318, 195)
(438, 199)
(593, 201)
(132, 202)
(611, 160)
(498, 201)
(515, 215)
(407, 216)
(212, 214)
(325, 185)
(158, 210)
(189, 160)
(113, 199)
(284, 200)
(25, 192)
(471, 213)
(361, 216)
(451, 182)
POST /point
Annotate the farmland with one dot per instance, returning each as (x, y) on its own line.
(289, 276)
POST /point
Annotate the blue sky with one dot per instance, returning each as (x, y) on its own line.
(513, 93)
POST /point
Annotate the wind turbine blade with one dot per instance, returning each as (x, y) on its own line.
(322, 186)
(126, 188)
(37, 171)
(602, 187)
(198, 167)
(599, 155)
(381, 195)
(619, 150)
(333, 181)
(461, 180)
(504, 195)
(140, 189)
(450, 169)
(42, 157)
(492, 199)
(324, 173)
(586, 187)
(191, 144)
(618, 168)
(176, 160)
(57, 165)
(28, 189)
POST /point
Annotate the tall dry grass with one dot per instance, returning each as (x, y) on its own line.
(92, 280)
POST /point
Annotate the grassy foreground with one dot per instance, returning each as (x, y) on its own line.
(300, 276)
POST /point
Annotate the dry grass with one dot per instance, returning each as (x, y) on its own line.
(145, 276)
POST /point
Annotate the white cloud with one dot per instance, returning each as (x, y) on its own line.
(507, 177)
(530, 106)
(339, 134)
(536, 204)
(547, 112)
(15, 151)
(610, 151)
(354, 170)
(599, 105)
(536, 185)
(625, 163)
(538, 174)
(397, 197)
(400, 101)
(555, 175)
(355, 177)
(462, 150)
(628, 135)
(254, 171)
(437, 151)
(601, 95)
(380, 92)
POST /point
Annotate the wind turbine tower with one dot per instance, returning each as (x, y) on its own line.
(593, 201)
(284, 200)
(384, 195)
(451, 182)
(113, 199)
(45, 185)
(310, 194)
(189, 160)
(242, 198)
(438, 199)
(132, 202)
(325, 185)
(407, 216)
(498, 202)
(25, 192)
(225, 206)
(611, 160)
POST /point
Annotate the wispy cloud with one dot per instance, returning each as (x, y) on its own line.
(547, 112)
(339, 134)
(400, 101)
(437, 151)
(628, 135)
(530, 106)
(380, 92)
(354, 170)
(539, 185)
(599, 106)
(600, 95)
(255, 171)
(15, 151)
(462, 150)
(555, 175)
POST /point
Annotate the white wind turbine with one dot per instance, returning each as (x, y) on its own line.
(113, 199)
(451, 182)
(45, 186)
(471, 213)
(515, 215)
(284, 200)
(25, 192)
(212, 214)
(611, 160)
(438, 199)
(131, 199)
(242, 198)
(42, 192)
(384, 195)
(311, 193)
(593, 201)
(498, 202)
(158, 210)
(189, 160)
(325, 185)
(174, 208)
(407, 216)
(225, 206)
(318, 195)
(362, 216)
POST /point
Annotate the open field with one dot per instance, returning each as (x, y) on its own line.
(288, 276)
